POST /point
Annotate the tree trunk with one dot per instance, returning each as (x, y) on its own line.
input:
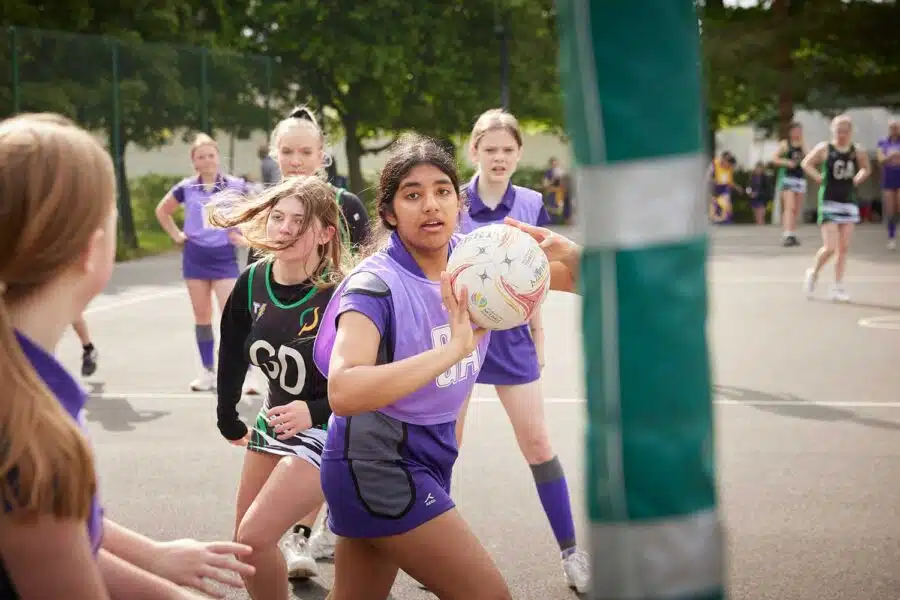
(126, 215)
(785, 67)
(354, 150)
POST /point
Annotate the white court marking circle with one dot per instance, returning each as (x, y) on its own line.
(890, 322)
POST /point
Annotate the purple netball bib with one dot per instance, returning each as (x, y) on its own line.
(72, 397)
(518, 202)
(890, 172)
(196, 200)
(511, 358)
(419, 324)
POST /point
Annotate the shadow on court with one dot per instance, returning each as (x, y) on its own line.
(800, 408)
(116, 414)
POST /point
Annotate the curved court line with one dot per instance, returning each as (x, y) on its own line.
(887, 322)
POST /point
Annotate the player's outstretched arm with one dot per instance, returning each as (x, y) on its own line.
(564, 255)
(134, 562)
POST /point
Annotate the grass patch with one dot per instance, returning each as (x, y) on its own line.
(146, 192)
(151, 242)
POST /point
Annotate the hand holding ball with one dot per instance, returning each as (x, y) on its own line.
(505, 272)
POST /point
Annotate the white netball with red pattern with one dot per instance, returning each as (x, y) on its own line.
(506, 273)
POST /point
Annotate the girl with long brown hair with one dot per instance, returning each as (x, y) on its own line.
(54, 539)
(271, 320)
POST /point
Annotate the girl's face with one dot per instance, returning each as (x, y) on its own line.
(796, 135)
(425, 208)
(206, 160)
(497, 155)
(843, 132)
(286, 219)
(299, 152)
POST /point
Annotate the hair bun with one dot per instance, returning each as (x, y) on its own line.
(302, 113)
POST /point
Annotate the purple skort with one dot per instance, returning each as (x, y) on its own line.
(209, 263)
(383, 477)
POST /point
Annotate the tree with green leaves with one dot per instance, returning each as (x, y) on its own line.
(108, 78)
(386, 66)
(763, 60)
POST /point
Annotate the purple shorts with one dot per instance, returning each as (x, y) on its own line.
(209, 263)
(511, 358)
(891, 179)
(383, 477)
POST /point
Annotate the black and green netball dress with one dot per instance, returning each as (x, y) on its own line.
(837, 194)
(274, 326)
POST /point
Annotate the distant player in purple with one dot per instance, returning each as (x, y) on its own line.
(401, 356)
(515, 357)
(209, 258)
(889, 159)
(57, 250)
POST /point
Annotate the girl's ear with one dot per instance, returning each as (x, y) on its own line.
(326, 234)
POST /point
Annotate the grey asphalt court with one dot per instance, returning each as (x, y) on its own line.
(807, 418)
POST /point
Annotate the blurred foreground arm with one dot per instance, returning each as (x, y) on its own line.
(564, 255)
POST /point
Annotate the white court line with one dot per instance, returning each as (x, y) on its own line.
(120, 303)
(871, 279)
(883, 322)
(494, 400)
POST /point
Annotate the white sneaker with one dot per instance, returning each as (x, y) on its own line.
(837, 293)
(809, 283)
(892, 244)
(205, 383)
(577, 568)
(300, 565)
(322, 541)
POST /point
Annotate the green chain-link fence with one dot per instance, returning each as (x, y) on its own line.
(135, 93)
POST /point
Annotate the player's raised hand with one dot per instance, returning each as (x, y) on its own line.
(463, 333)
(557, 247)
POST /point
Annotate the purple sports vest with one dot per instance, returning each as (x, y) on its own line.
(890, 172)
(196, 226)
(525, 206)
(420, 324)
(72, 397)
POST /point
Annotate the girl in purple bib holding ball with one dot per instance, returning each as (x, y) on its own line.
(209, 257)
(401, 357)
(515, 357)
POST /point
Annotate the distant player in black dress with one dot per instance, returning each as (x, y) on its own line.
(839, 167)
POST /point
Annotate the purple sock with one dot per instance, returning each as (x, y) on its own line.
(892, 227)
(205, 344)
(554, 494)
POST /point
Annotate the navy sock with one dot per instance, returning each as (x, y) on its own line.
(554, 494)
(205, 344)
